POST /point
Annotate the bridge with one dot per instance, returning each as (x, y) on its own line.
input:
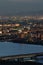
(21, 56)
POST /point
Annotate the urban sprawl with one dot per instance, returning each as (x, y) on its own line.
(21, 28)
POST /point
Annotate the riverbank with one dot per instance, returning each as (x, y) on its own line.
(21, 41)
(29, 42)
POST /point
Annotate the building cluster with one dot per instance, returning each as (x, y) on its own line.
(27, 28)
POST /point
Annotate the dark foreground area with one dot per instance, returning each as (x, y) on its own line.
(19, 63)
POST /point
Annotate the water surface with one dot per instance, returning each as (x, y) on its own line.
(9, 48)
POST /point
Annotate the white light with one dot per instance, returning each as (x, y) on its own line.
(0, 32)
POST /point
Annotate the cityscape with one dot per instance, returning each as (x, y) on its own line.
(16, 28)
(21, 32)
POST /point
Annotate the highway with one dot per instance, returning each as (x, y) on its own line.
(21, 56)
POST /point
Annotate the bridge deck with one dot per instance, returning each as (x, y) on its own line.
(21, 56)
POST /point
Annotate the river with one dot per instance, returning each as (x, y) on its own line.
(9, 48)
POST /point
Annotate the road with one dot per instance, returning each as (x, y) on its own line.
(22, 56)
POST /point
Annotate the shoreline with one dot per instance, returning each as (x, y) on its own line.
(23, 42)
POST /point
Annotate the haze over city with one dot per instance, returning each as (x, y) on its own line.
(21, 7)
